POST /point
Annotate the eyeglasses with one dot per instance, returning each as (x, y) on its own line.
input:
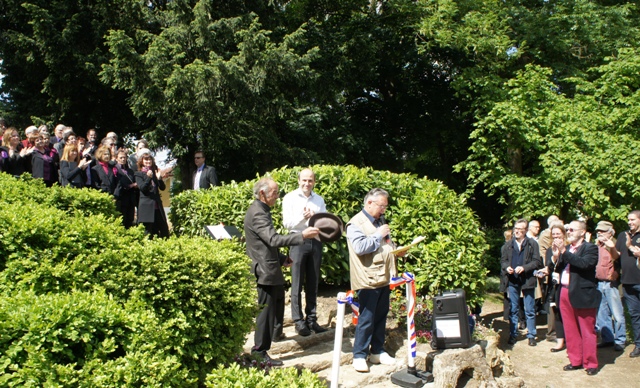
(198, 157)
(381, 206)
(572, 230)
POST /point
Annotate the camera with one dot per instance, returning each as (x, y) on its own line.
(87, 157)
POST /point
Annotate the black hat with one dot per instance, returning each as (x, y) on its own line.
(329, 224)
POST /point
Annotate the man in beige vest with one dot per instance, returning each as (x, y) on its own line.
(371, 266)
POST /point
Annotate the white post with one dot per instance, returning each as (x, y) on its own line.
(411, 329)
(337, 344)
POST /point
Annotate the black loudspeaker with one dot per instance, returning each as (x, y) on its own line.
(450, 321)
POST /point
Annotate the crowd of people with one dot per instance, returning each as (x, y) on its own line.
(578, 283)
(70, 160)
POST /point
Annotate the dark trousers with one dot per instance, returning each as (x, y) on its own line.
(271, 298)
(371, 327)
(159, 227)
(631, 299)
(305, 270)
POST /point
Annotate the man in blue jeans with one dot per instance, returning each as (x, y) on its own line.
(628, 245)
(608, 274)
(520, 257)
(371, 267)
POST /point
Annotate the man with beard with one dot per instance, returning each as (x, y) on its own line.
(628, 245)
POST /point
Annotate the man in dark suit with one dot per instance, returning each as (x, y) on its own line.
(579, 297)
(266, 261)
(205, 176)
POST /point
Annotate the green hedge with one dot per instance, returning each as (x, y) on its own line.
(200, 289)
(83, 340)
(450, 257)
(28, 190)
(234, 376)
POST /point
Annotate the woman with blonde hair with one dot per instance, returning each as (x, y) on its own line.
(104, 175)
(73, 167)
(12, 153)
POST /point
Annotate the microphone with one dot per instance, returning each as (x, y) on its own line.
(383, 221)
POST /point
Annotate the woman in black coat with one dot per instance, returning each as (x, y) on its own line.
(127, 189)
(104, 175)
(73, 167)
(44, 161)
(150, 211)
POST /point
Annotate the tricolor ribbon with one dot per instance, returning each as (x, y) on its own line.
(395, 282)
(355, 307)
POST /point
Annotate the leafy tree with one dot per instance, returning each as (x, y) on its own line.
(213, 78)
(578, 152)
(51, 54)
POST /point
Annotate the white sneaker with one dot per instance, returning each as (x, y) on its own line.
(383, 358)
(360, 365)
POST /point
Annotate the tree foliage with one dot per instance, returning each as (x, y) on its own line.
(578, 151)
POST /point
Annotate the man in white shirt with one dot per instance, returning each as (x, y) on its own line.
(297, 207)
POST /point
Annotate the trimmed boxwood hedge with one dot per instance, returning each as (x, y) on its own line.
(83, 340)
(200, 289)
(450, 257)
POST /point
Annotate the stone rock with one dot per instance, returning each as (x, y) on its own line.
(451, 363)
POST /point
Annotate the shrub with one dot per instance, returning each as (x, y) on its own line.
(200, 288)
(235, 376)
(83, 340)
(27, 190)
(450, 257)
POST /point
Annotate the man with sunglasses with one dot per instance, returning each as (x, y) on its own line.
(205, 176)
(579, 297)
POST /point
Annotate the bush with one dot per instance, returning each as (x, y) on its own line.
(27, 190)
(83, 340)
(450, 257)
(201, 289)
(235, 376)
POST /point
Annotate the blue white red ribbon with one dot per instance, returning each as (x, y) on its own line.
(410, 281)
(355, 307)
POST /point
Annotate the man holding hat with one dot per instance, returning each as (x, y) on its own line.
(608, 275)
(262, 247)
(371, 267)
(298, 207)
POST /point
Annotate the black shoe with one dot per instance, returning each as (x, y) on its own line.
(602, 345)
(532, 342)
(572, 367)
(265, 356)
(316, 328)
(556, 350)
(522, 325)
(302, 329)
(635, 352)
(592, 371)
(277, 337)
(512, 340)
(618, 348)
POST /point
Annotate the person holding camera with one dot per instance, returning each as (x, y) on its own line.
(150, 210)
(73, 167)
